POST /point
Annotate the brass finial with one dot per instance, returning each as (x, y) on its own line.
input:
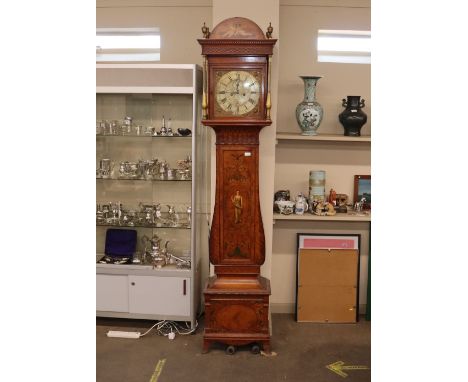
(269, 31)
(205, 30)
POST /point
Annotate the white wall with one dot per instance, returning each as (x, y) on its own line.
(299, 23)
(179, 23)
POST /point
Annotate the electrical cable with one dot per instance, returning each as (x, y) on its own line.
(163, 328)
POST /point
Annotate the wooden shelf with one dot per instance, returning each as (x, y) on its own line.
(337, 217)
(322, 137)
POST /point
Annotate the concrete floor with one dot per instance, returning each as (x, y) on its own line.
(303, 352)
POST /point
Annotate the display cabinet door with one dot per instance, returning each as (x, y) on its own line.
(159, 295)
(112, 293)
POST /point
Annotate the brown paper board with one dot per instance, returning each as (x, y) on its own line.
(327, 285)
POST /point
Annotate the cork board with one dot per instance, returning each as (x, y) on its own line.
(327, 285)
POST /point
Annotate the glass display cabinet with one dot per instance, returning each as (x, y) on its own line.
(152, 171)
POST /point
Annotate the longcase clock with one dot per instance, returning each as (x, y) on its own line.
(236, 104)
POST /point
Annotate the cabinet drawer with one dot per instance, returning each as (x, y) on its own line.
(112, 293)
(159, 295)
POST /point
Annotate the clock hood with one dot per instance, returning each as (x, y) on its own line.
(237, 28)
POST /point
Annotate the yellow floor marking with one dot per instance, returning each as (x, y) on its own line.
(158, 370)
(339, 366)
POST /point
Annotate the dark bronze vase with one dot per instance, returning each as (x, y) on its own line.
(353, 118)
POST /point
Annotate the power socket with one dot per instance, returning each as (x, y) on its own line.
(117, 334)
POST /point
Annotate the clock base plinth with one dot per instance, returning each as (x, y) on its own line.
(236, 311)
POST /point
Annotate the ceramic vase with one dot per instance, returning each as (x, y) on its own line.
(309, 112)
(316, 186)
(352, 117)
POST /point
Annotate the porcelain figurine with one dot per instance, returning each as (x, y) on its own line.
(301, 204)
(359, 206)
(280, 195)
(324, 209)
(341, 201)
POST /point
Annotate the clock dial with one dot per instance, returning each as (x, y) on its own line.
(238, 92)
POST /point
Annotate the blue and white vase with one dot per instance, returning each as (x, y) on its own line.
(309, 112)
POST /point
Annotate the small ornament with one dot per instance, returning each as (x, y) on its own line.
(269, 31)
(163, 130)
(205, 30)
(341, 201)
(323, 209)
(301, 204)
(189, 216)
(173, 215)
(128, 125)
(332, 197)
(359, 206)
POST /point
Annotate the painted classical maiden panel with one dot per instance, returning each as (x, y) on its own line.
(238, 219)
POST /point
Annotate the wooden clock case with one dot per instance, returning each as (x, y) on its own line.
(237, 298)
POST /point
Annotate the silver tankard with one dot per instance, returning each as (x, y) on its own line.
(170, 174)
(139, 130)
(105, 168)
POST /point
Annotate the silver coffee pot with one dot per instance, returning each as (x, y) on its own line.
(189, 216)
(159, 256)
(163, 130)
(127, 126)
(173, 216)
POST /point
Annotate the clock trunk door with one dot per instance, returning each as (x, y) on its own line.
(238, 237)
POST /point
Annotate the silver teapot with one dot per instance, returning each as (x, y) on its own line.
(159, 256)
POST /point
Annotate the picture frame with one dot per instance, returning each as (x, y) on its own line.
(328, 241)
(362, 188)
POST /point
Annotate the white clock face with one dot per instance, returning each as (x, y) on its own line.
(237, 92)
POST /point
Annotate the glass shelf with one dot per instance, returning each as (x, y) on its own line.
(141, 225)
(142, 136)
(147, 180)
